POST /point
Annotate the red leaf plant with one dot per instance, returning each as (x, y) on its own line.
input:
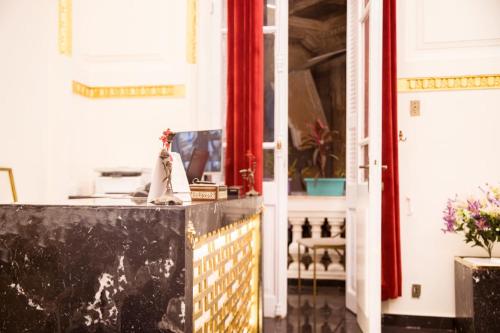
(320, 139)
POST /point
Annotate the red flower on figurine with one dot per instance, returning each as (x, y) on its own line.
(167, 138)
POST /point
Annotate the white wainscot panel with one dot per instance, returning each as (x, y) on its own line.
(129, 42)
(448, 37)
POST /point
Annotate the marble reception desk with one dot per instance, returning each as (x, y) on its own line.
(114, 266)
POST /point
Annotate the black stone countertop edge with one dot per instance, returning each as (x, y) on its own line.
(206, 216)
(118, 203)
(460, 259)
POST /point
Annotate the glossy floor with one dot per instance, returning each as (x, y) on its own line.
(328, 315)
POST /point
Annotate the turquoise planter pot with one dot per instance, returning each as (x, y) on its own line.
(325, 186)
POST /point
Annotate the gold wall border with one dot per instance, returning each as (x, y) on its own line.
(192, 9)
(65, 27)
(465, 82)
(129, 91)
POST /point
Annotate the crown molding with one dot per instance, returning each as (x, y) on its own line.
(443, 83)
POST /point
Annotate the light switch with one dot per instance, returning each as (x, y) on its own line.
(415, 108)
(416, 290)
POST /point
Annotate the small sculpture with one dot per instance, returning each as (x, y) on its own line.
(249, 175)
(168, 197)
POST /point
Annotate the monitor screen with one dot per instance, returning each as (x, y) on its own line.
(211, 141)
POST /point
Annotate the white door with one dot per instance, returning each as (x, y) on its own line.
(275, 224)
(364, 120)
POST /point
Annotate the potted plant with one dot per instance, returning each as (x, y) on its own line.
(477, 280)
(320, 140)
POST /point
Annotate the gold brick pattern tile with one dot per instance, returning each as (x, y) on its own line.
(226, 278)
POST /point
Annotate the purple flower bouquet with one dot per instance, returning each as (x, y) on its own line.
(478, 218)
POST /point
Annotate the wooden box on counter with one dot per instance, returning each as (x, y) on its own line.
(208, 192)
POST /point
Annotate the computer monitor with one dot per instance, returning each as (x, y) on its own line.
(210, 141)
(197, 165)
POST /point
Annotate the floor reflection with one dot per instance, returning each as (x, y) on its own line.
(326, 314)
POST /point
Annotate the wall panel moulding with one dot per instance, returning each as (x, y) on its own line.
(65, 27)
(192, 10)
(129, 91)
(465, 82)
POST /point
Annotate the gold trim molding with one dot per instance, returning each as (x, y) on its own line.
(192, 9)
(65, 32)
(11, 180)
(466, 82)
(129, 91)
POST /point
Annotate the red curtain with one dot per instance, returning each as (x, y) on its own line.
(391, 252)
(245, 89)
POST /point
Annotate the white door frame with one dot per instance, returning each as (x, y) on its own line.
(275, 232)
(352, 101)
(275, 216)
(275, 192)
(363, 285)
(275, 235)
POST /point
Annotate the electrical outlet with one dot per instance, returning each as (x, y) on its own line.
(416, 289)
(415, 108)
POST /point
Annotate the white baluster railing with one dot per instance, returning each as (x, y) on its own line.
(315, 210)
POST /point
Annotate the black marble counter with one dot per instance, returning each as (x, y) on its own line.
(477, 295)
(101, 265)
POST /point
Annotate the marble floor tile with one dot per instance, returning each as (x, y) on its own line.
(327, 315)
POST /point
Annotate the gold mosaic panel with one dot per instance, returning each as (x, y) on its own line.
(226, 279)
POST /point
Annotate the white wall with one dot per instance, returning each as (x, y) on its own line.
(210, 75)
(54, 139)
(451, 148)
(24, 75)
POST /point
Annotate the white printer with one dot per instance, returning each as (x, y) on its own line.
(121, 180)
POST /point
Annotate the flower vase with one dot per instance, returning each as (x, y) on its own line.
(477, 294)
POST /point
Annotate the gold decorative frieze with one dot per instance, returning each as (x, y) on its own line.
(226, 279)
(129, 91)
(466, 82)
(191, 31)
(65, 29)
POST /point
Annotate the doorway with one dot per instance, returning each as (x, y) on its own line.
(335, 132)
(329, 47)
(317, 150)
